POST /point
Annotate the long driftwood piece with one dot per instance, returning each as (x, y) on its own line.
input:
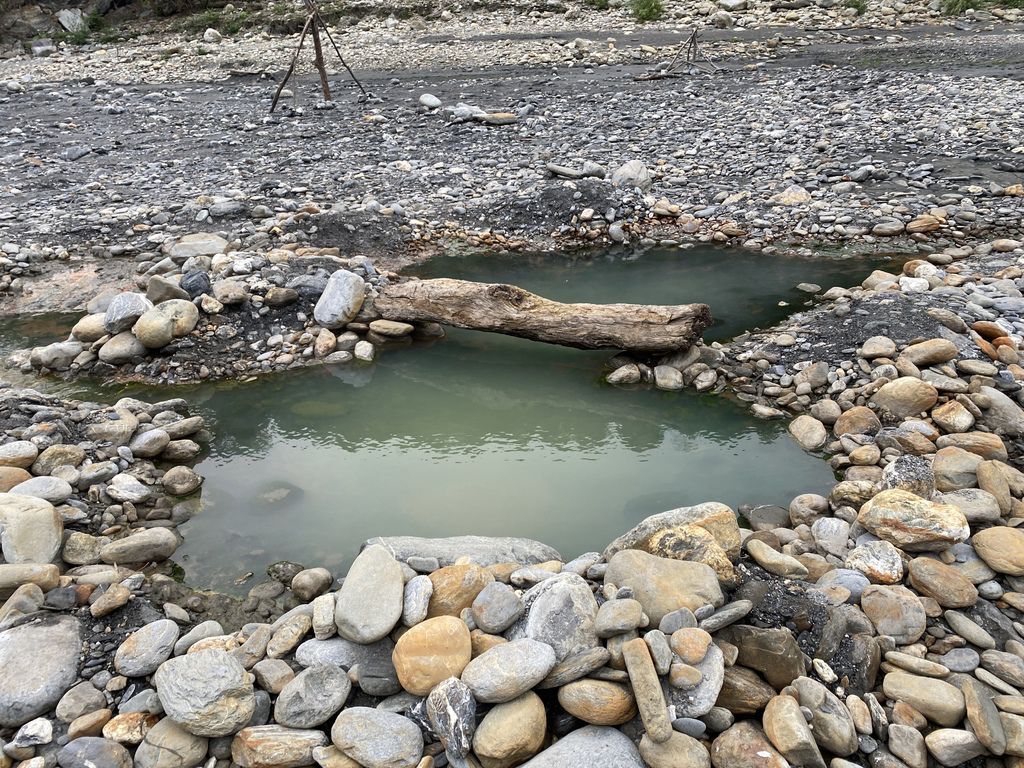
(511, 310)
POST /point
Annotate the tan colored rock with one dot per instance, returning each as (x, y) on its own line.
(662, 585)
(650, 700)
(12, 476)
(430, 652)
(955, 468)
(859, 420)
(953, 417)
(894, 611)
(913, 524)
(1002, 549)
(983, 444)
(455, 588)
(744, 745)
(904, 397)
(511, 733)
(129, 727)
(930, 352)
(941, 582)
(788, 731)
(808, 432)
(598, 702)
(680, 751)
(744, 692)
(937, 700)
(717, 519)
(690, 644)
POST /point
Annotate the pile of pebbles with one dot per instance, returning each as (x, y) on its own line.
(85, 488)
(209, 311)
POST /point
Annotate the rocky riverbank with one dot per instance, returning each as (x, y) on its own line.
(880, 626)
(212, 312)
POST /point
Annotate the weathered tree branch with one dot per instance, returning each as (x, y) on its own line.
(513, 311)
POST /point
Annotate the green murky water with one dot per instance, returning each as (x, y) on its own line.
(486, 434)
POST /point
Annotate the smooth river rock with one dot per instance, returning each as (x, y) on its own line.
(369, 603)
(662, 585)
(208, 693)
(561, 612)
(589, 747)
(377, 739)
(482, 550)
(38, 664)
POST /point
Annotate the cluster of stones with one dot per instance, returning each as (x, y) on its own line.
(208, 311)
(867, 626)
(87, 490)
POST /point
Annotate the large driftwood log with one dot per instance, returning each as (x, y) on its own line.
(511, 310)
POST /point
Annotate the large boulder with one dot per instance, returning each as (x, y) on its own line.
(588, 747)
(905, 397)
(913, 524)
(208, 693)
(662, 585)
(341, 300)
(38, 664)
(32, 529)
(706, 533)
(165, 322)
(124, 310)
(377, 739)
(369, 603)
(57, 356)
(122, 348)
(560, 611)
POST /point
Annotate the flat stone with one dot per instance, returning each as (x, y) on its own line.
(90, 752)
(913, 524)
(38, 664)
(142, 546)
(772, 652)
(942, 583)
(32, 529)
(273, 746)
(482, 550)
(937, 700)
(662, 585)
(895, 611)
(146, 649)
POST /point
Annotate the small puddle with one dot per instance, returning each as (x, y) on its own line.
(486, 434)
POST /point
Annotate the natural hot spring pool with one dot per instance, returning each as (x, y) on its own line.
(486, 434)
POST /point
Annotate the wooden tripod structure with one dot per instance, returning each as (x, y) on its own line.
(314, 25)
